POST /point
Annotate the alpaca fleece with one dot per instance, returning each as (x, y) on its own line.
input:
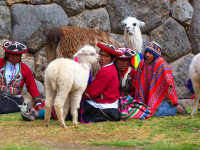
(194, 74)
(65, 81)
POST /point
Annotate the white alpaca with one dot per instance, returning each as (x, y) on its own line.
(65, 80)
(194, 74)
(132, 34)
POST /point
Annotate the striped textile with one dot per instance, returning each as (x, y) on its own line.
(133, 109)
(136, 60)
(153, 82)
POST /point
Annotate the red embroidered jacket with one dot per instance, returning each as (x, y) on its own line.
(15, 86)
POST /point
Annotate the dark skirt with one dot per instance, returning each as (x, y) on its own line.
(9, 104)
(88, 113)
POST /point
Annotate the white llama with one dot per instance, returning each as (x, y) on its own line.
(132, 34)
(194, 74)
(65, 80)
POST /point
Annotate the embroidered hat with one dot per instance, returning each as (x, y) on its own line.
(14, 47)
(127, 53)
(110, 49)
(155, 48)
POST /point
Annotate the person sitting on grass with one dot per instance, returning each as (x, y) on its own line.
(13, 75)
(127, 71)
(155, 85)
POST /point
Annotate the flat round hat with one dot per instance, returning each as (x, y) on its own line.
(128, 53)
(110, 49)
(14, 47)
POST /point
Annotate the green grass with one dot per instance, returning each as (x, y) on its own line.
(168, 133)
(26, 148)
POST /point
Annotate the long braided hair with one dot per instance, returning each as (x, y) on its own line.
(120, 86)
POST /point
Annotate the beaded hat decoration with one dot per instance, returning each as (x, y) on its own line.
(14, 47)
(109, 49)
(155, 48)
(127, 53)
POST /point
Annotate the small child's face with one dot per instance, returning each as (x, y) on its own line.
(149, 57)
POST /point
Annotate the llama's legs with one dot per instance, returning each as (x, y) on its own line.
(50, 95)
(197, 97)
(60, 99)
(75, 99)
(66, 107)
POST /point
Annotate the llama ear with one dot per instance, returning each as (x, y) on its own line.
(77, 54)
(141, 23)
(123, 21)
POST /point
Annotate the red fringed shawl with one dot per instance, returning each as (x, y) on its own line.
(153, 82)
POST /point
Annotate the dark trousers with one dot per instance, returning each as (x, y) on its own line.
(8, 104)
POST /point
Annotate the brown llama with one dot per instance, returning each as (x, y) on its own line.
(65, 42)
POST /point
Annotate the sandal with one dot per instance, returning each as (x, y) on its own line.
(28, 117)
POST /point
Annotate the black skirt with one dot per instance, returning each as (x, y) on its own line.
(9, 104)
(88, 113)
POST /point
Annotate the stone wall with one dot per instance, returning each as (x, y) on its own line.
(174, 23)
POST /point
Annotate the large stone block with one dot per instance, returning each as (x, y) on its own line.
(194, 28)
(97, 18)
(182, 11)
(30, 24)
(5, 22)
(152, 12)
(173, 38)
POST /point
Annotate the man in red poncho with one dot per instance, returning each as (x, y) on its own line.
(155, 85)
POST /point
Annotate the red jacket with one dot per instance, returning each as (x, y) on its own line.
(105, 87)
(24, 76)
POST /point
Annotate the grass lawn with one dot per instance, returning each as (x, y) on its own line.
(168, 133)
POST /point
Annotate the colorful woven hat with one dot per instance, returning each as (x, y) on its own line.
(14, 47)
(127, 53)
(155, 48)
(110, 49)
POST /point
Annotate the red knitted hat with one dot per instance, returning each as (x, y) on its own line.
(110, 49)
(14, 47)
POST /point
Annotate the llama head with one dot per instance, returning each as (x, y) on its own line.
(87, 54)
(132, 25)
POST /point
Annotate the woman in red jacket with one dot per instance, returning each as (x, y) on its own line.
(100, 99)
(13, 75)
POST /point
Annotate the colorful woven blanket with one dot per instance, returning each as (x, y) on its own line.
(133, 109)
(136, 60)
(154, 83)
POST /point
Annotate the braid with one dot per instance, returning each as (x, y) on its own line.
(120, 81)
(120, 86)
